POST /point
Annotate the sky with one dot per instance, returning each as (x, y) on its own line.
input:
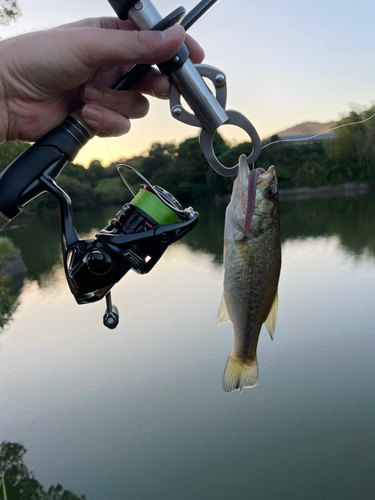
(286, 63)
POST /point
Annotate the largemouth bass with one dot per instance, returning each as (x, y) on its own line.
(252, 262)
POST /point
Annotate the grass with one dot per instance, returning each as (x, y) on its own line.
(3, 488)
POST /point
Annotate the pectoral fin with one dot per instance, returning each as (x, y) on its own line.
(222, 315)
(271, 320)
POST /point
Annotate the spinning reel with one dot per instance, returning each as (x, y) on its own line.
(143, 229)
(135, 239)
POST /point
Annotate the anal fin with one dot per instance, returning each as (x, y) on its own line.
(223, 315)
(271, 320)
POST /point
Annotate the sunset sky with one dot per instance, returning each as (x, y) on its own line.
(286, 62)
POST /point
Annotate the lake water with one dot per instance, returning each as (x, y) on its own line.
(139, 412)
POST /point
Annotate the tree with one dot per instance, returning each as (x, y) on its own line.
(20, 482)
(9, 11)
(353, 151)
(9, 151)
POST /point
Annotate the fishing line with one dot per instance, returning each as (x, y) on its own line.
(109, 149)
(321, 133)
(155, 208)
(122, 177)
(209, 11)
(147, 201)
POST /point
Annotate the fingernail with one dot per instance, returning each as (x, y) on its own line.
(172, 32)
(167, 90)
(91, 113)
(92, 94)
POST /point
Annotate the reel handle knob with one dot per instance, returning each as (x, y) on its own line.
(111, 316)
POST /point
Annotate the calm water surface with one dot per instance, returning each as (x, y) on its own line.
(139, 412)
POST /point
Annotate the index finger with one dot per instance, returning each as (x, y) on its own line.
(108, 23)
(158, 85)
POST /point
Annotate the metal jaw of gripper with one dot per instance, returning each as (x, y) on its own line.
(209, 118)
(207, 110)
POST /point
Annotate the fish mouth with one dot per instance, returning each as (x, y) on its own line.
(257, 178)
(266, 176)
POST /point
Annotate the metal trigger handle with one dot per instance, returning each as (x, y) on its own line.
(230, 117)
(206, 143)
(217, 77)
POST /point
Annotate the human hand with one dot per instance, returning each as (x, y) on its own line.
(46, 75)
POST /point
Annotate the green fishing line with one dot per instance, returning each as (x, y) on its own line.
(155, 208)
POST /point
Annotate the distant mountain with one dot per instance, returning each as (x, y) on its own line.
(306, 129)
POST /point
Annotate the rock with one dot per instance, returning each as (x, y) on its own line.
(13, 265)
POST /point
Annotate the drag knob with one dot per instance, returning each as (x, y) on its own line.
(99, 262)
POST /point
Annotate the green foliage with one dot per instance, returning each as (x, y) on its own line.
(81, 193)
(182, 169)
(8, 303)
(111, 191)
(7, 246)
(9, 151)
(352, 154)
(21, 483)
(9, 11)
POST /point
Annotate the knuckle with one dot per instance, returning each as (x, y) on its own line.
(147, 43)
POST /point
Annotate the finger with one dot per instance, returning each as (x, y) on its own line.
(158, 85)
(101, 47)
(109, 23)
(130, 104)
(155, 84)
(114, 23)
(196, 51)
(104, 120)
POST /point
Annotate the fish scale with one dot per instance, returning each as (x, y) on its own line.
(252, 261)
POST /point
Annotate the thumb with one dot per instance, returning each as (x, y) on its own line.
(102, 47)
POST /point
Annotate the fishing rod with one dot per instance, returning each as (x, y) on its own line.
(142, 230)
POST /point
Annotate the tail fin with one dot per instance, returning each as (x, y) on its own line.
(240, 374)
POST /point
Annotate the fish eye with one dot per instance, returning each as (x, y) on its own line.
(270, 192)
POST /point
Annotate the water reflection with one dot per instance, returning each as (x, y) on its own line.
(9, 293)
(208, 235)
(20, 483)
(38, 237)
(349, 218)
(139, 412)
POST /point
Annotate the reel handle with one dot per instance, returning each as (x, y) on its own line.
(111, 316)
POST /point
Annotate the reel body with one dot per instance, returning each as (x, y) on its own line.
(133, 240)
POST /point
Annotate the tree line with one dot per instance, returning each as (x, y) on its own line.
(182, 169)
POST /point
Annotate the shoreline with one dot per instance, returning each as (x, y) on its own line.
(347, 189)
(305, 193)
